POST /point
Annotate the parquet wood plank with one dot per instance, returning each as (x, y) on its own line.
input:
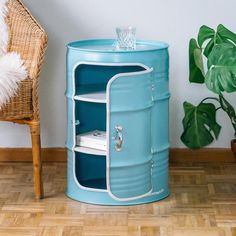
(202, 203)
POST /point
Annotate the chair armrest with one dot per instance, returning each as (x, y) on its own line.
(29, 39)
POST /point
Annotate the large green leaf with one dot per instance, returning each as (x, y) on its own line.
(199, 125)
(212, 37)
(229, 109)
(208, 48)
(197, 53)
(221, 40)
(226, 34)
(196, 71)
(221, 75)
(205, 33)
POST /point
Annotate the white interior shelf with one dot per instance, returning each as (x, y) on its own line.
(98, 97)
(91, 151)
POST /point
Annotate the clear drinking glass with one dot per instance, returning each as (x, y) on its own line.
(126, 38)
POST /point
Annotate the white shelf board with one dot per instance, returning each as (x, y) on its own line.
(91, 151)
(98, 97)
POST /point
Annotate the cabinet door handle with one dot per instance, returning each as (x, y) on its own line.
(119, 138)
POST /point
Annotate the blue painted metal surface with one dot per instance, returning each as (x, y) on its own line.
(136, 101)
(130, 106)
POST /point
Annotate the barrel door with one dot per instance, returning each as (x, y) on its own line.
(129, 158)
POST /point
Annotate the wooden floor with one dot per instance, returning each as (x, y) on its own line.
(202, 203)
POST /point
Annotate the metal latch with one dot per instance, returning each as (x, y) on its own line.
(119, 138)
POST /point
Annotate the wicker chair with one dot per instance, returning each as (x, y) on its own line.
(28, 39)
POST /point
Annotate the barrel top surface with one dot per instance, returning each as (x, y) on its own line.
(109, 45)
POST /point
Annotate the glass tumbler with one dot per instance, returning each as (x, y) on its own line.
(126, 38)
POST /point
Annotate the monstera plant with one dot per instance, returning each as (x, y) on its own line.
(212, 62)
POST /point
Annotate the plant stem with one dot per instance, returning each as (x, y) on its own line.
(226, 107)
(213, 98)
(229, 109)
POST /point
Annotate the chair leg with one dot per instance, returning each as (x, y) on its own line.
(36, 153)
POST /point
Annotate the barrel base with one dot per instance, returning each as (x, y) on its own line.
(98, 198)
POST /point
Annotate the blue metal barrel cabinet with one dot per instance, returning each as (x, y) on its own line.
(123, 96)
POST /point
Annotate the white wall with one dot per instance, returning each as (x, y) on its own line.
(168, 20)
